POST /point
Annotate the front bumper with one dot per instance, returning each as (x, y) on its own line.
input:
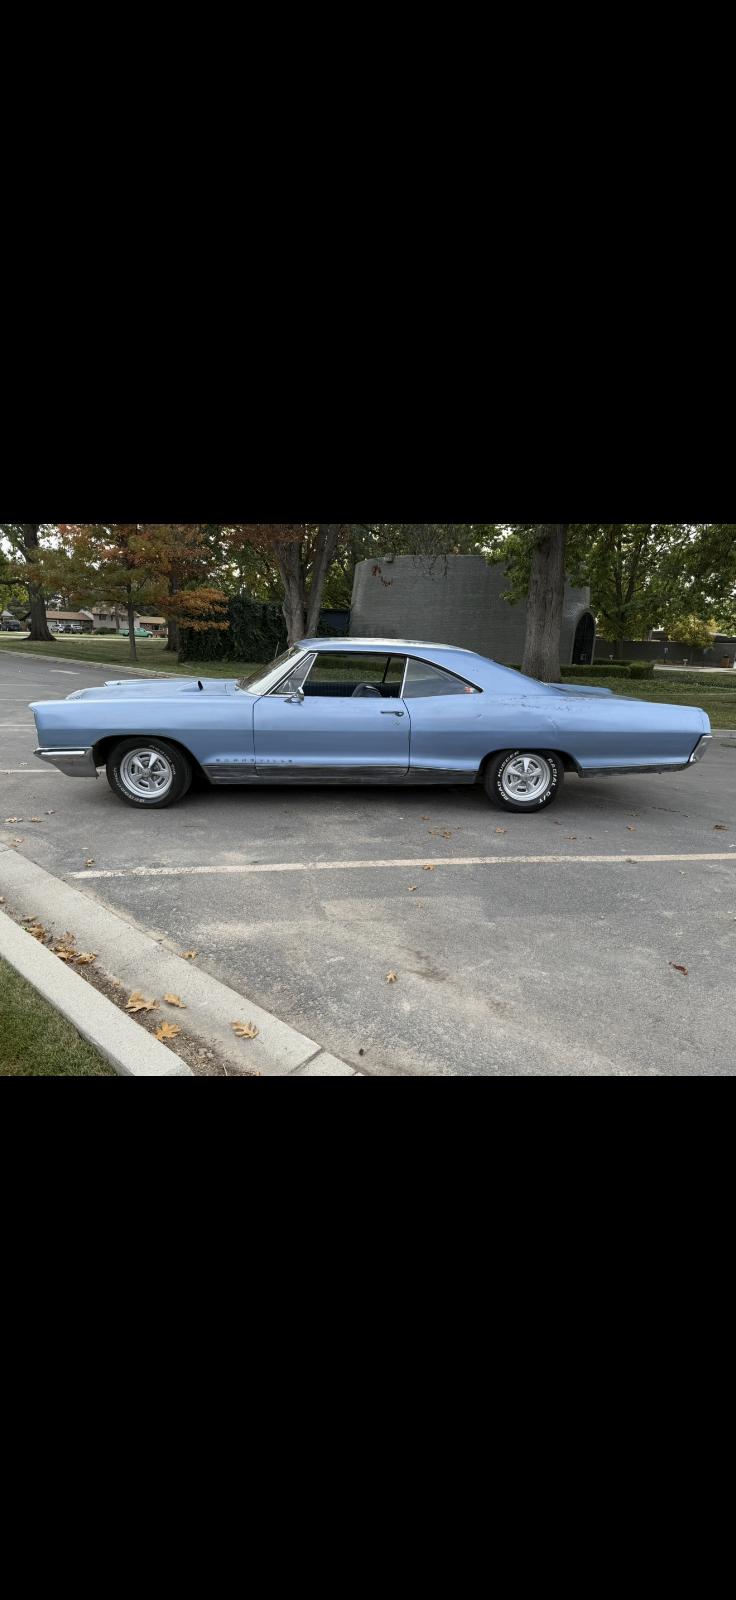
(77, 763)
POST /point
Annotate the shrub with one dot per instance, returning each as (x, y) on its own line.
(641, 669)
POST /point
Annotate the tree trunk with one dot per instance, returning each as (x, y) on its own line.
(546, 598)
(131, 626)
(327, 541)
(618, 649)
(291, 569)
(172, 643)
(39, 625)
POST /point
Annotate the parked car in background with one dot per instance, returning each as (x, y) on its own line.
(140, 633)
(9, 625)
(382, 712)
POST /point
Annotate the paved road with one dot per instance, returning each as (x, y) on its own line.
(517, 969)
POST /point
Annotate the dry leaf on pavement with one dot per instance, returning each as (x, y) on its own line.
(720, 827)
(173, 1000)
(190, 955)
(440, 834)
(572, 838)
(86, 958)
(2, 899)
(37, 933)
(117, 983)
(13, 819)
(167, 1030)
(51, 813)
(500, 830)
(414, 889)
(632, 830)
(392, 978)
(243, 1030)
(425, 819)
(138, 1003)
(430, 869)
(680, 969)
(91, 863)
(36, 819)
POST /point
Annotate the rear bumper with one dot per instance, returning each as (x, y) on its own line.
(74, 763)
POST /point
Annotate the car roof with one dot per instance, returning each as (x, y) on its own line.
(346, 646)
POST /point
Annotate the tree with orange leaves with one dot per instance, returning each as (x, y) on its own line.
(134, 564)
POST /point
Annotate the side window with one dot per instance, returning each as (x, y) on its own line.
(425, 682)
(339, 676)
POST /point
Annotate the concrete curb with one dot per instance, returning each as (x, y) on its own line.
(146, 961)
(129, 1049)
(102, 666)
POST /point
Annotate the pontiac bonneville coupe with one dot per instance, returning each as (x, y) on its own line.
(379, 711)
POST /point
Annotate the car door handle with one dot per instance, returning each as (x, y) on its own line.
(392, 713)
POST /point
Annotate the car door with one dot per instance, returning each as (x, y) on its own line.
(339, 717)
(455, 723)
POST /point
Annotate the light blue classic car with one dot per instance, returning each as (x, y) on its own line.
(380, 711)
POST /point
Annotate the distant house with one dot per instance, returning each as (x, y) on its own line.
(81, 621)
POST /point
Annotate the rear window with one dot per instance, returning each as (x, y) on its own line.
(425, 682)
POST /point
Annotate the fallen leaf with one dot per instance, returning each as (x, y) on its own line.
(37, 933)
(30, 919)
(117, 983)
(86, 959)
(244, 1030)
(91, 863)
(720, 827)
(138, 1003)
(414, 889)
(64, 955)
(13, 819)
(190, 955)
(680, 969)
(501, 830)
(392, 978)
(17, 841)
(430, 869)
(632, 830)
(167, 1030)
(572, 837)
(173, 1000)
(36, 819)
(51, 813)
(424, 819)
(438, 833)
(633, 813)
(558, 824)
(2, 899)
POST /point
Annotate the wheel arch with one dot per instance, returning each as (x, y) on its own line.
(568, 762)
(102, 748)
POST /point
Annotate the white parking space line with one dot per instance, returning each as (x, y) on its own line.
(413, 865)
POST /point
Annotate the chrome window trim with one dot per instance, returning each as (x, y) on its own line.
(276, 694)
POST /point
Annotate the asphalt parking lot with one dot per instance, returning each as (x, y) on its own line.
(521, 967)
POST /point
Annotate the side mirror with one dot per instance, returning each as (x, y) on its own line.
(297, 696)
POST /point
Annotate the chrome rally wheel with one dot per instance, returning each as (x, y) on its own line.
(524, 780)
(148, 772)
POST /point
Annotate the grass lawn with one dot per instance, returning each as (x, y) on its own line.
(718, 703)
(36, 1041)
(110, 652)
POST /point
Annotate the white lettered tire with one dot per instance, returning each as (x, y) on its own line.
(148, 773)
(524, 780)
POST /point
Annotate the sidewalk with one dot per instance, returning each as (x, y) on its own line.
(147, 962)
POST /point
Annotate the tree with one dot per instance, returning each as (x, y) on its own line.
(28, 569)
(635, 571)
(181, 560)
(302, 553)
(129, 564)
(546, 599)
(693, 631)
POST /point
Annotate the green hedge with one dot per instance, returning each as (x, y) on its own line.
(605, 669)
(256, 632)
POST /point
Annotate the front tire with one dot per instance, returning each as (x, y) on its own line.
(150, 774)
(524, 780)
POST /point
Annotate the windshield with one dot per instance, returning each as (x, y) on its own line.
(266, 678)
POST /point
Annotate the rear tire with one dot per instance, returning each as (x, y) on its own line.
(524, 780)
(149, 774)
